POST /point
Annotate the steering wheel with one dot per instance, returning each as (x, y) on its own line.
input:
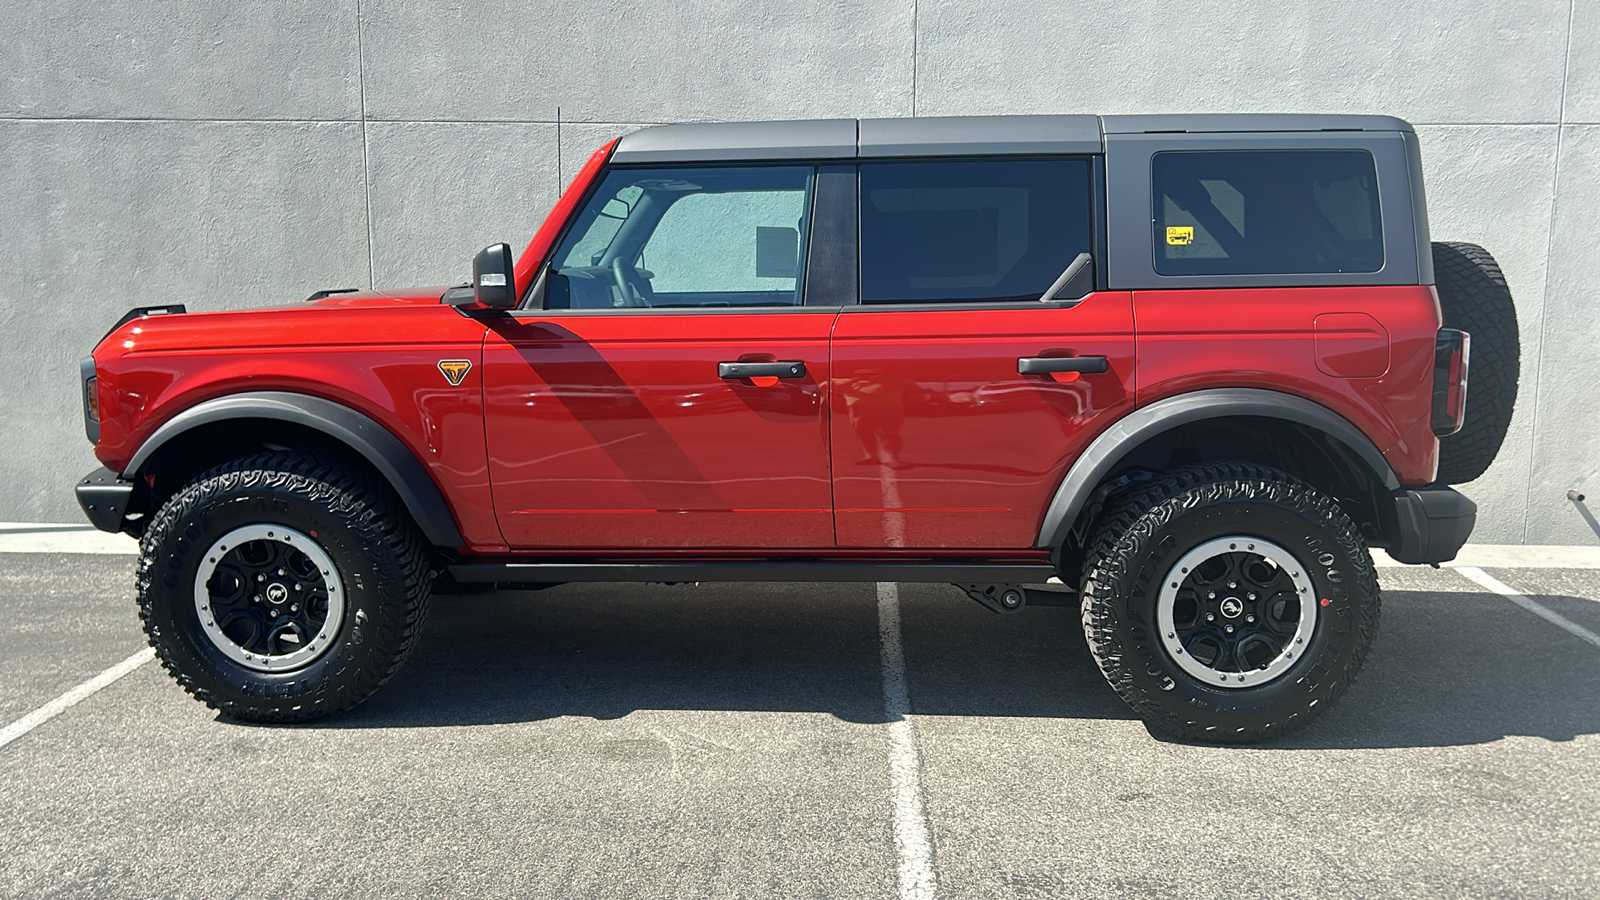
(635, 291)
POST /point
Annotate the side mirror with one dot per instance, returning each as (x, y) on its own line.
(494, 281)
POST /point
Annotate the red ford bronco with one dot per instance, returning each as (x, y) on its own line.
(1191, 365)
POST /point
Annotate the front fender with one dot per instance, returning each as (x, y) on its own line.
(405, 474)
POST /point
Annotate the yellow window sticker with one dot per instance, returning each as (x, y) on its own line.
(1180, 235)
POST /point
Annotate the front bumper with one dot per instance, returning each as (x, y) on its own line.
(1433, 523)
(104, 498)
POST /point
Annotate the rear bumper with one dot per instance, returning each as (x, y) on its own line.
(1433, 524)
(104, 498)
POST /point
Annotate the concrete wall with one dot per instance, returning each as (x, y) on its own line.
(250, 152)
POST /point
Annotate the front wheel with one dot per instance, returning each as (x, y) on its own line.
(1229, 603)
(282, 587)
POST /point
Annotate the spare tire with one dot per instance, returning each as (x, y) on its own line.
(1474, 298)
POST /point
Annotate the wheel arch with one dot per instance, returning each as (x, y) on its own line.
(208, 430)
(1352, 461)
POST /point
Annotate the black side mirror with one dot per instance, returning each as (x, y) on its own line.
(494, 281)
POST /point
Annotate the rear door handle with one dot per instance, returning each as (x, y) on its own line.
(791, 369)
(1045, 365)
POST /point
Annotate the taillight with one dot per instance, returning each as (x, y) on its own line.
(1450, 356)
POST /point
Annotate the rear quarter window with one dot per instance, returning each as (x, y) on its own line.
(1266, 212)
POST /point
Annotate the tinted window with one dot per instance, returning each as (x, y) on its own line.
(980, 230)
(686, 237)
(1267, 212)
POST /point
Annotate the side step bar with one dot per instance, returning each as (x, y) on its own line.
(958, 573)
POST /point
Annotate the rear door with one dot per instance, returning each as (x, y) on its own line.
(940, 440)
(672, 390)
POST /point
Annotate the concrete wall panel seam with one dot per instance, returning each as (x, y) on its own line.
(366, 148)
(1544, 311)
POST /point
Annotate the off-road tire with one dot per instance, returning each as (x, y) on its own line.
(1144, 537)
(359, 525)
(1474, 298)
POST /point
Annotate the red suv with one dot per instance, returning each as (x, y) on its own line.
(1192, 365)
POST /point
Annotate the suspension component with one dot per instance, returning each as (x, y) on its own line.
(1001, 598)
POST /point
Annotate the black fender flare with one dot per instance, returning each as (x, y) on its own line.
(398, 465)
(1132, 430)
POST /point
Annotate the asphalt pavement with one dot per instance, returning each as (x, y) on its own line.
(731, 740)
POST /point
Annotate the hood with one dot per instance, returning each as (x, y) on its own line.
(384, 297)
(331, 319)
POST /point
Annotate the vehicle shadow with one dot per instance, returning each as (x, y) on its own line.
(605, 650)
(1449, 668)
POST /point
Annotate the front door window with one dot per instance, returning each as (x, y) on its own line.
(690, 237)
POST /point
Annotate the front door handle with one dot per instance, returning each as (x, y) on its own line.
(1047, 365)
(791, 369)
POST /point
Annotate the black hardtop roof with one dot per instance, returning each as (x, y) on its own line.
(949, 136)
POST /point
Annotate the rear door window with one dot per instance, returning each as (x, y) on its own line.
(971, 230)
(1266, 212)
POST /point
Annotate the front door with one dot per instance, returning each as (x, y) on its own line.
(671, 393)
(954, 415)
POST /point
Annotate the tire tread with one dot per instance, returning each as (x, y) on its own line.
(1135, 519)
(342, 491)
(1474, 297)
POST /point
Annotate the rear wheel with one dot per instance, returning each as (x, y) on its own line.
(1229, 603)
(282, 587)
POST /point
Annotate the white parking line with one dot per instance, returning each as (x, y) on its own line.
(1514, 556)
(73, 697)
(1528, 603)
(44, 537)
(917, 881)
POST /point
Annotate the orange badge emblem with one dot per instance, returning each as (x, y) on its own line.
(454, 369)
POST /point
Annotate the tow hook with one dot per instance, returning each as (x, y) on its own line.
(1001, 598)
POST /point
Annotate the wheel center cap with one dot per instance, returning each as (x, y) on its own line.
(1230, 607)
(277, 593)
